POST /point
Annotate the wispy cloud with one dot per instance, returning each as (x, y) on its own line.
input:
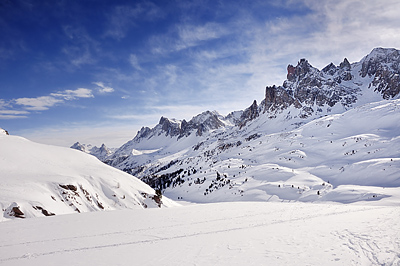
(331, 30)
(123, 18)
(73, 94)
(13, 114)
(103, 88)
(133, 60)
(80, 47)
(41, 103)
(185, 35)
(193, 35)
(234, 60)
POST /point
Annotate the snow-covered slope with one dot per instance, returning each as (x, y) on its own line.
(323, 135)
(349, 157)
(241, 233)
(38, 180)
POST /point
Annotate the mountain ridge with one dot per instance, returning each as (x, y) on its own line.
(312, 92)
(157, 155)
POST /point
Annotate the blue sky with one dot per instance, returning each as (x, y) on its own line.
(96, 71)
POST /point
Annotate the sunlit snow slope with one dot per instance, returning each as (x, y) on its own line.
(240, 233)
(349, 157)
(42, 180)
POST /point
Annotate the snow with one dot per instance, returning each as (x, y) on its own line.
(323, 189)
(352, 157)
(241, 233)
(36, 177)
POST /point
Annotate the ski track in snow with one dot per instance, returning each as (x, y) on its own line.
(364, 246)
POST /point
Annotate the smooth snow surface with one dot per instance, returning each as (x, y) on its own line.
(241, 233)
(44, 180)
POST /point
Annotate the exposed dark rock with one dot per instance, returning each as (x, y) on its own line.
(277, 98)
(45, 212)
(249, 114)
(16, 212)
(345, 64)
(69, 187)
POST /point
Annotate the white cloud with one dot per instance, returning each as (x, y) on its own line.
(39, 103)
(45, 102)
(103, 88)
(73, 94)
(13, 114)
(331, 31)
(6, 111)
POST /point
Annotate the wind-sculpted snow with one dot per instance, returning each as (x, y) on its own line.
(241, 233)
(44, 180)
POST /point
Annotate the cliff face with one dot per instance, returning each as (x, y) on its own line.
(309, 89)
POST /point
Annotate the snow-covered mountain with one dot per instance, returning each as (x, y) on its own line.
(44, 180)
(101, 153)
(263, 152)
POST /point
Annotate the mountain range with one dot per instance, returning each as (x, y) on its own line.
(323, 135)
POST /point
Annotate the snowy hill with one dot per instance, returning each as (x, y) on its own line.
(43, 180)
(324, 135)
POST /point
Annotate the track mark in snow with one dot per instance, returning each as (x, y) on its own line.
(153, 238)
(366, 246)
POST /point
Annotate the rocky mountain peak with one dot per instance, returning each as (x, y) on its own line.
(171, 127)
(329, 69)
(101, 153)
(309, 89)
(249, 114)
(144, 132)
(308, 93)
(78, 146)
(384, 66)
(345, 64)
(380, 58)
(300, 71)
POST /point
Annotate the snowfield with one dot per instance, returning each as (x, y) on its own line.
(240, 233)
